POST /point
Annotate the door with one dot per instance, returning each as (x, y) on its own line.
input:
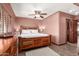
(71, 31)
(67, 24)
(75, 31)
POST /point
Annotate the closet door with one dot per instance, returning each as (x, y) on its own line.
(75, 31)
(72, 31)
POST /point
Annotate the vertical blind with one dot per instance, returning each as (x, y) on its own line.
(1, 21)
(5, 21)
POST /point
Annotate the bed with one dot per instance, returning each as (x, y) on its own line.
(31, 38)
(33, 35)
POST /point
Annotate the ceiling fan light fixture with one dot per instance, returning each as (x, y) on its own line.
(76, 13)
(37, 16)
(71, 11)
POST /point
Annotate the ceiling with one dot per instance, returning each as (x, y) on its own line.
(24, 9)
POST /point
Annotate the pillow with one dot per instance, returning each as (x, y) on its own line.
(34, 31)
(26, 31)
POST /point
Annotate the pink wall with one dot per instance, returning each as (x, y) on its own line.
(77, 17)
(52, 26)
(27, 22)
(56, 26)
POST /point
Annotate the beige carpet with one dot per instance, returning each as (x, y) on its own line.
(44, 51)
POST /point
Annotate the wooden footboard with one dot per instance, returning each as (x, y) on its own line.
(28, 43)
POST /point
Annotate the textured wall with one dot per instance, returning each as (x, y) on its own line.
(27, 22)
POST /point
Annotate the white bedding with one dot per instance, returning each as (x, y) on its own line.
(31, 35)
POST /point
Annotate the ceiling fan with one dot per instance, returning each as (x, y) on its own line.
(77, 4)
(38, 14)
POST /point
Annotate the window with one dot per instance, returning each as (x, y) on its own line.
(5, 21)
(1, 21)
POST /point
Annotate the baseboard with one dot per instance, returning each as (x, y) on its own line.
(58, 44)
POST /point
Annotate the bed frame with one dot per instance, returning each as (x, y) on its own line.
(28, 43)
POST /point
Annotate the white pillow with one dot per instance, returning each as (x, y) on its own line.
(26, 31)
(34, 31)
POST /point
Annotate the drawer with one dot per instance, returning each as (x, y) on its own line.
(27, 44)
(37, 42)
(45, 43)
(45, 39)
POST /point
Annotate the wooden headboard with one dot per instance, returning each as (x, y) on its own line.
(25, 27)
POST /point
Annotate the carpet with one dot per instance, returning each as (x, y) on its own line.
(44, 51)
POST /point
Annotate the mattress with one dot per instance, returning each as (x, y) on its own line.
(32, 35)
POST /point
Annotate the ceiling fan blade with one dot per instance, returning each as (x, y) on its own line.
(43, 13)
(77, 4)
(41, 16)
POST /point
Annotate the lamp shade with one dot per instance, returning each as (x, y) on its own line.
(41, 28)
(17, 28)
